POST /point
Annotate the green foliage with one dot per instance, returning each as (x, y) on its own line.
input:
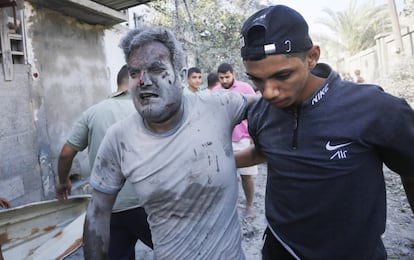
(356, 27)
(209, 30)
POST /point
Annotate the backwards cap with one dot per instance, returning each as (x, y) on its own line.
(274, 30)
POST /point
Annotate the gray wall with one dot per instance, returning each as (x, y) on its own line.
(70, 61)
(19, 173)
(66, 73)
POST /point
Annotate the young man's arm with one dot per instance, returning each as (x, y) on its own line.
(251, 98)
(248, 157)
(63, 188)
(408, 183)
(96, 228)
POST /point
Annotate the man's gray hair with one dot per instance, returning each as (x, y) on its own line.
(139, 37)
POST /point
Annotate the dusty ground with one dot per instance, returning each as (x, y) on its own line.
(399, 234)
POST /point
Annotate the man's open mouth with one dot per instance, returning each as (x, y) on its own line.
(147, 95)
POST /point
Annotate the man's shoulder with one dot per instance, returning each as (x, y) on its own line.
(260, 109)
(109, 103)
(129, 122)
(242, 83)
(118, 94)
(91, 111)
(98, 105)
(186, 90)
(220, 96)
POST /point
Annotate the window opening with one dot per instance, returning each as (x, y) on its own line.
(12, 37)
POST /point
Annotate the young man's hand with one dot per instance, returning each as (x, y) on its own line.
(4, 203)
(63, 190)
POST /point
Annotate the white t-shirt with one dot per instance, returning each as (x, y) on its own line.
(185, 179)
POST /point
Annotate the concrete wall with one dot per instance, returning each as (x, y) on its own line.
(114, 55)
(377, 62)
(20, 179)
(68, 70)
(69, 59)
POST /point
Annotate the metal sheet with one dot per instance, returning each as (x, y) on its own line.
(25, 230)
(121, 4)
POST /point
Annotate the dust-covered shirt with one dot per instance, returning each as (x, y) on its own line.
(185, 178)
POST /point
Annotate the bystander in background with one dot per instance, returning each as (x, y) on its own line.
(359, 78)
(194, 80)
(212, 80)
(240, 137)
(347, 76)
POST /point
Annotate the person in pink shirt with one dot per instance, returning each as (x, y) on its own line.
(240, 137)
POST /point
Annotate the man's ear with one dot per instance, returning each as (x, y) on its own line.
(183, 74)
(313, 56)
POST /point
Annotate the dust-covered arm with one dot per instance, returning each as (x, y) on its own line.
(248, 157)
(251, 98)
(96, 228)
(408, 183)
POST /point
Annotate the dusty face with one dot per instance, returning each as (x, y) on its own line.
(282, 80)
(194, 80)
(226, 79)
(155, 89)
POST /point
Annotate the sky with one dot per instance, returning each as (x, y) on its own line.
(311, 10)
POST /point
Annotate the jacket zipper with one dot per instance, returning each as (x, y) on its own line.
(295, 128)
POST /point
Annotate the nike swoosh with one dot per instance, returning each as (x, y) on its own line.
(330, 147)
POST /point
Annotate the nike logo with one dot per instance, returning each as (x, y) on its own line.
(330, 147)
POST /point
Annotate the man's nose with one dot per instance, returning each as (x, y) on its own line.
(145, 79)
(270, 92)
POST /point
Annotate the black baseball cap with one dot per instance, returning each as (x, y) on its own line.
(276, 29)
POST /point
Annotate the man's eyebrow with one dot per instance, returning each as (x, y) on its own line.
(156, 64)
(132, 70)
(274, 75)
(153, 65)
